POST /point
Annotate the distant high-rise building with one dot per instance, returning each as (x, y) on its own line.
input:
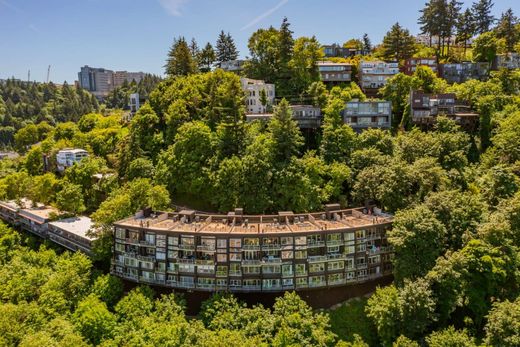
(101, 81)
(98, 81)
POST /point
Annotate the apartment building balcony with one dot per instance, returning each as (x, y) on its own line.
(204, 262)
(132, 241)
(151, 280)
(361, 266)
(205, 286)
(251, 262)
(185, 285)
(206, 248)
(337, 256)
(271, 247)
(271, 288)
(185, 261)
(287, 273)
(269, 260)
(146, 258)
(147, 243)
(186, 247)
(315, 244)
(317, 258)
(337, 282)
(251, 247)
(334, 242)
(252, 287)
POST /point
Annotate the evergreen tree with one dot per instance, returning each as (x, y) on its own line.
(429, 19)
(285, 53)
(398, 44)
(450, 21)
(506, 29)
(465, 28)
(206, 58)
(367, 45)
(180, 61)
(482, 14)
(286, 136)
(195, 51)
(226, 49)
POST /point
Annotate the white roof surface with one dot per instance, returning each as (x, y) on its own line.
(75, 225)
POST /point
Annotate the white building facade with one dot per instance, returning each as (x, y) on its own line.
(253, 90)
(69, 156)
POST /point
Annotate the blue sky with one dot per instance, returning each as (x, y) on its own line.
(135, 35)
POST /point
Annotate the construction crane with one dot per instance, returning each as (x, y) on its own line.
(48, 73)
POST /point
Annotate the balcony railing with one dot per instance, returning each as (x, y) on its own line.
(337, 256)
(205, 286)
(334, 242)
(252, 287)
(204, 262)
(185, 261)
(132, 241)
(185, 285)
(317, 284)
(272, 247)
(251, 247)
(316, 258)
(146, 258)
(151, 280)
(251, 262)
(267, 261)
(207, 248)
(186, 247)
(147, 243)
(315, 244)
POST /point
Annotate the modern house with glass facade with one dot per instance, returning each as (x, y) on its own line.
(361, 115)
(253, 253)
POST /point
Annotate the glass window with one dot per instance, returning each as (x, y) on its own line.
(300, 240)
(335, 265)
(222, 258)
(287, 269)
(235, 256)
(317, 267)
(251, 241)
(300, 254)
(287, 255)
(221, 243)
(235, 243)
(222, 270)
(120, 233)
(150, 238)
(300, 269)
(120, 247)
(173, 240)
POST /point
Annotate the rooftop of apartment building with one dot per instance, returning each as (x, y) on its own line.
(236, 223)
(38, 214)
(75, 225)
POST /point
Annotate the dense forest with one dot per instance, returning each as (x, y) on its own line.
(455, 194)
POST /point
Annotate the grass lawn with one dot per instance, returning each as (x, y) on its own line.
(350, 319)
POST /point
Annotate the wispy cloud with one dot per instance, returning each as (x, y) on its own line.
(173, 7)
(10, 6)
(264, 15)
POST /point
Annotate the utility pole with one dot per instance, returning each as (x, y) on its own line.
(48, 73)
(29, 76)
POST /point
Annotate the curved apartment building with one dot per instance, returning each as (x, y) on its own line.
(261, 253)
